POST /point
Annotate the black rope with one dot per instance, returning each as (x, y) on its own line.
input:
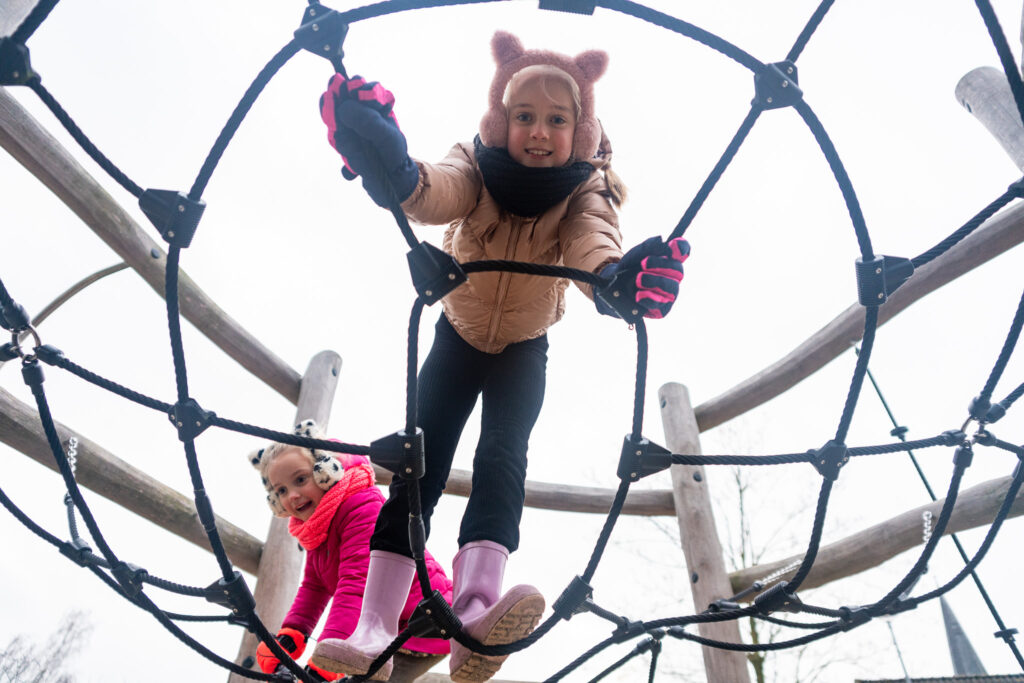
(35, 17)
(80, 137)
(1010, 67)
(816, 530)
(965, 230)
(1005, 352)
(812, 25)
(640, 383)
(868, 341)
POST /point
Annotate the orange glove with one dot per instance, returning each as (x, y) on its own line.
(293, 642)
(323, 673)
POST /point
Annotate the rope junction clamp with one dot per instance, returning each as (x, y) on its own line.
(963, 456)
(828, 460)
(979, 408)
(401, 454)
(778, 599)
(14, 317)
(641, 458)
(573, 599)
(852, 617)
(611, 294)
(174, 215)
(15, 68)
(129, 576)
(233, 594)
(775, 86)
(322, 32)
(190, 419)
(434, 618)
(878, 278)
(78, 551)
(573, 6)
(434, 273)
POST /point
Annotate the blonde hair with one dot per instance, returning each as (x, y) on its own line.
(545, 73)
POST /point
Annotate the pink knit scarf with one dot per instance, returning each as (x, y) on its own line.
(313, 531)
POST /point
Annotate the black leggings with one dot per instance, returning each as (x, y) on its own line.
(453, 375)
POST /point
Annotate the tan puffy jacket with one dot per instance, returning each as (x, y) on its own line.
(495, 309)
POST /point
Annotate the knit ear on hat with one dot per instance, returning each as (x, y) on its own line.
(505, 47)
(256, 457)
(592, 63)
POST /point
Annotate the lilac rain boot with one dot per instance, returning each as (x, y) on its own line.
(387, 588)
(486, 615)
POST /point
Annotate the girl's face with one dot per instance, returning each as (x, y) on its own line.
(541, 123)
(291, 477)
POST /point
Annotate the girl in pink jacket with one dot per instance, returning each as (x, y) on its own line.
(333, 504)
(534, 186)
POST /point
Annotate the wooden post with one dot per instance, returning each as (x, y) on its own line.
(985, 93)
(280, 567)
(698, 535)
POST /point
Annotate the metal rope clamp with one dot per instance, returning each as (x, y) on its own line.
(641, 458)
(15, 68)
(13, 349)
(775, 86)
(878, 278)
(322, 32)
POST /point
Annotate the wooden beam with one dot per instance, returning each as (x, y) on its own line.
(699, 536)
(1000, 233)
(12, 13)
(544, 496)
(280, 570)
(871, 547)
(985, 93)
(100, 471)
(40, 153)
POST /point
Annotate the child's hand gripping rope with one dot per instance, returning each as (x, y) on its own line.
(293, 642)
(646, 279)
(362, 127)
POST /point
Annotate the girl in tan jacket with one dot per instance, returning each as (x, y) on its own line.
(534, 186)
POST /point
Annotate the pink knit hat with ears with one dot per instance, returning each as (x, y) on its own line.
(584, 68)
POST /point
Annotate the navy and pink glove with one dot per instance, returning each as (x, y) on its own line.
(645, 282)
(362, 127)
(293, 642)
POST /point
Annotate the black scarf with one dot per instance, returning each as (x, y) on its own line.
(522, 190)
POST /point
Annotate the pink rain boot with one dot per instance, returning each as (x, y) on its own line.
(387, 588)
(486, 615)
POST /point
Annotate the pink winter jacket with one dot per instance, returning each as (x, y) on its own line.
(494, 308)
(336, 569)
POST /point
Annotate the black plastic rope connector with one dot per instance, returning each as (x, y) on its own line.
(612, 295)
(723, 605)
(8, 351)
(979, 407)
(174, 215)
(900, 606)
(830, 458)
(899, 432)
(400, 453)
(32, 372)
(627, 630)
(15, 67)
(434, 618)
(322, 32)
(995, 413)
(641, 458)
(985, 437)
(573, 599)
(878, 278)
(778, 599)
(775, 86)
(573, 6)
(50, 355)
(78, 551)
(233, 594)
(1006, 634)
(190, 419)
(852, 617)
(434, 273)
(14, 317)
(129, 577)
(953, 437)
(963, 456)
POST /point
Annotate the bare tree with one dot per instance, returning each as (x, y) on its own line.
(24, 661)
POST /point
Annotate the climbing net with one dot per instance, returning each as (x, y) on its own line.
(176, 216)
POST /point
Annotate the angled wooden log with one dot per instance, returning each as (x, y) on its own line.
(1000, 233)
(100, 471)
(871, 547)
(40, 153)
(985, 93)
(280, 570)
(699, 536)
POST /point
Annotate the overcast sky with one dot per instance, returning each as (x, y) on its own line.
(305, 262)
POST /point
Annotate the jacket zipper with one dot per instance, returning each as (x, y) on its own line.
(504, 280)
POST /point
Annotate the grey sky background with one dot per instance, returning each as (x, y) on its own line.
(305, 262)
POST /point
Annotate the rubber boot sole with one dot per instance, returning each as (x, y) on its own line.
(514, 617)
(339, 658)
